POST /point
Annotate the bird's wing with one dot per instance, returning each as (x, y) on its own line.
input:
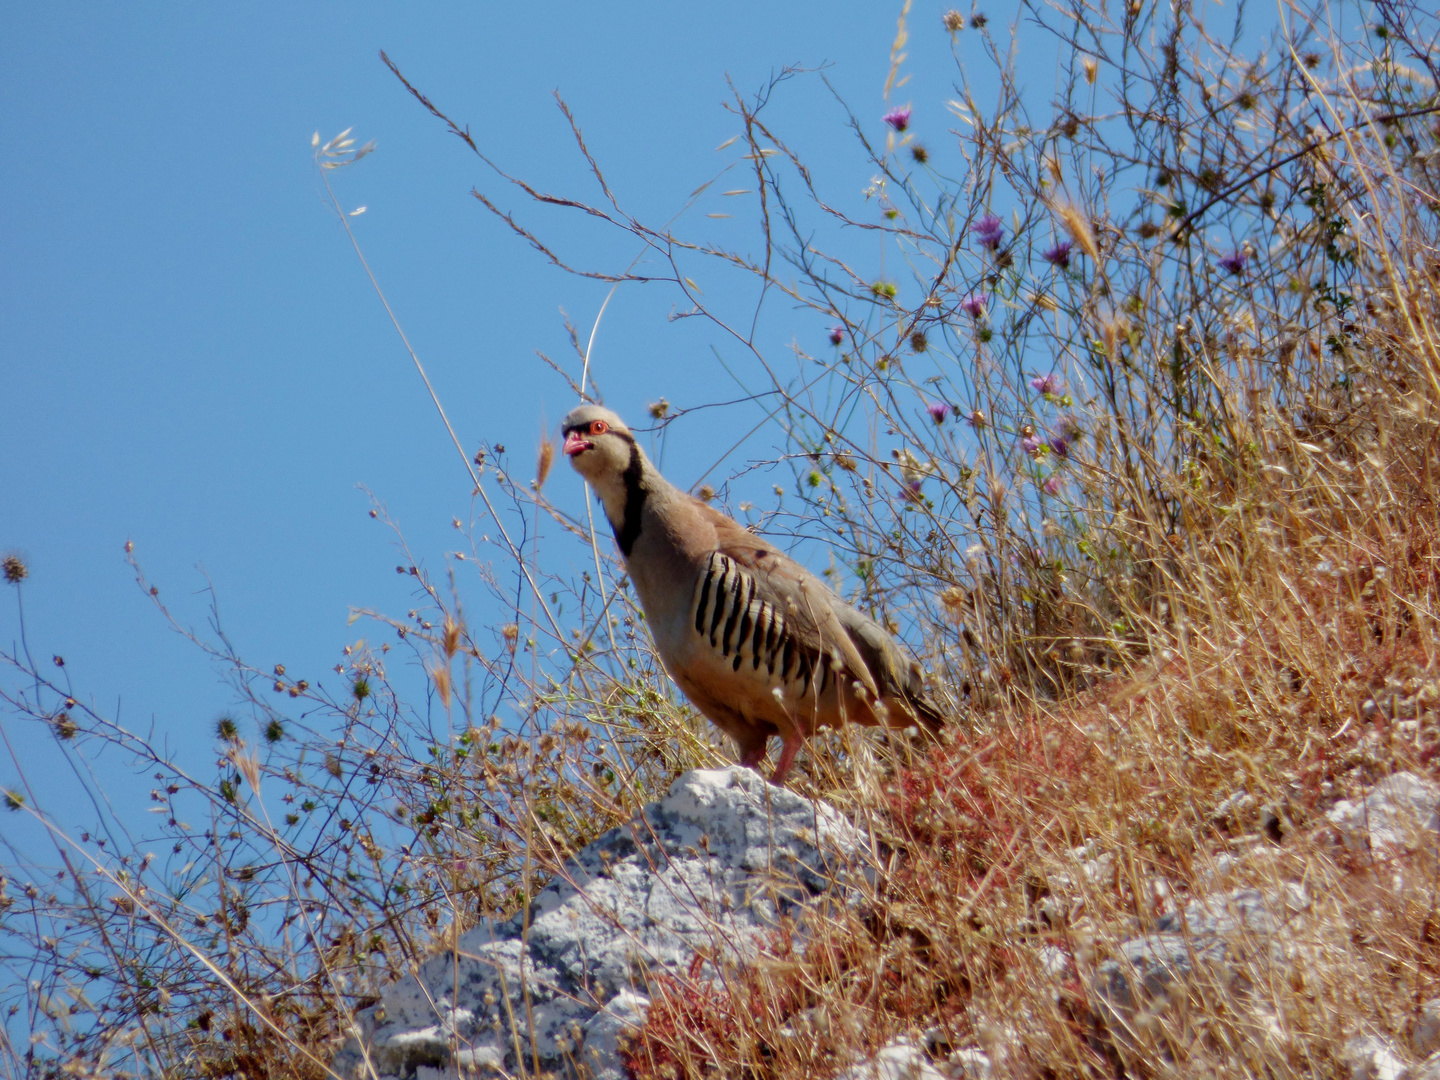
(811, 611)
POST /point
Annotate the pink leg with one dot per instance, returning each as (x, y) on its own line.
(788, 749)
(752, 755)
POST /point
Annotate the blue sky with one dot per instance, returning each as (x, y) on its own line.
(193, 361)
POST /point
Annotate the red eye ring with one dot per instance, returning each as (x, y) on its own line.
(598, 427)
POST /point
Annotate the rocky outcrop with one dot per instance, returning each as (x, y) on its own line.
(1401, 813)
(713, 868)
(710, 869)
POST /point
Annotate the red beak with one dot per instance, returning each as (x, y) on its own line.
(574, 444)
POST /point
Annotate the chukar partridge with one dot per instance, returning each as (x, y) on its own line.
(756, 642)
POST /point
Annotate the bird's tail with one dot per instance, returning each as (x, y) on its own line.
(922, 706)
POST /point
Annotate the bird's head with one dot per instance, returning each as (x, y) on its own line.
(598, 444)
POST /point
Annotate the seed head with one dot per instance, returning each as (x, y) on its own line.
(15, 569)
(954, 21)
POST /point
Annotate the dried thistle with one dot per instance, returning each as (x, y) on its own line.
(15, 569)
(1113, 329)
(1077, 225)
(247, 765)
(440, 676)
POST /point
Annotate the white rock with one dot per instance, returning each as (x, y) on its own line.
(1425, 1036)
(623, 1015)
(1055, 962)
(899, 1059)
(712, 866)
(1239, 912)
(485, 1060)
(1216, 937)
(972, 1063)
(1370, 1057)
(1401, 813)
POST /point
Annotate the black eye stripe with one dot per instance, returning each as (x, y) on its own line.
(584, 429)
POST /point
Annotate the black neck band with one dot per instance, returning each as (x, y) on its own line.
(627, 533)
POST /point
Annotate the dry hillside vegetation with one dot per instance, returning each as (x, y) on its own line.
(1122, 410)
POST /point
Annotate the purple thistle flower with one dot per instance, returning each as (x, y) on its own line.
(911, 492)
(1059, 255)
(1045, 384)
(1234, 263)
(1060, 444)
(837, 335)
(973, 305)
(899, 119)
(938, 410)
(1052, 486)
(989, 231)
(1030, 444)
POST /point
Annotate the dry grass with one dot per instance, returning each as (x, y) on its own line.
(1158, 508)
(1020, 856)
